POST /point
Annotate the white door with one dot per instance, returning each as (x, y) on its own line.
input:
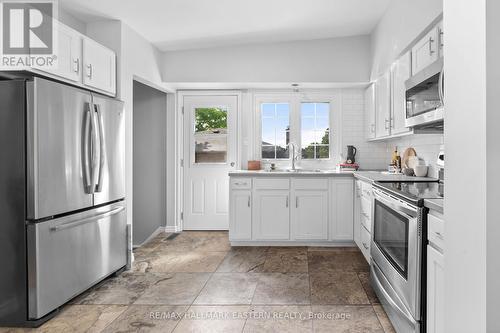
(310, 215)
(271, 215)
(210, 152)
(400, 73)
(383, 102)
(100, 66)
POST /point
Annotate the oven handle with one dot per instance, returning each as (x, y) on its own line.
(404, 210)
(389, 299)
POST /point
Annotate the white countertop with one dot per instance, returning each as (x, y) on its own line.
(369, 176)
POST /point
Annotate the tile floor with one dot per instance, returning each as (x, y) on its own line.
(197, 282)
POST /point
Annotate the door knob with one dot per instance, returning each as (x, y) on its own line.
(232, 164)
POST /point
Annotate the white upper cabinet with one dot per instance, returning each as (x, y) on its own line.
(383, 105)
(401, 72)
(99, 66)
(425, 51)
(370, 111)
(69, 55)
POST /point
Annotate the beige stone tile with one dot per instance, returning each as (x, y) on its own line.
(330, 261)
(174, 289)
(282, 288)
(364, 277)
(384, 320)
(123, 289)
(187, 262)
(345, 319)
(337, 288)
(83, 318)
(202, 241)
(281, 319)
(228, 289)
(148, 319)
(286, 260)
(244, 260)
(213, 319)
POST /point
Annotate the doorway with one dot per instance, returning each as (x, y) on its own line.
(149, 162)
(210, 151)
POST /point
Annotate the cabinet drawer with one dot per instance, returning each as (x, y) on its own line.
(271, 183)
(365, 243)
(241, 183)
(310, 183)
(435, 231)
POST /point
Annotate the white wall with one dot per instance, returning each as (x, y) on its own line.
(71, 21)
(468, 140)
(326, 60)
(370, 155)
(399, 26)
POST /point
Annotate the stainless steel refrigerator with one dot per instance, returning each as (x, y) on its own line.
(62, 190)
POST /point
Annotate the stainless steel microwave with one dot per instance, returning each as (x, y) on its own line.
(425, 98)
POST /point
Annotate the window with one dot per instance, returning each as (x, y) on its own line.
(275, 130)
(210, 134)
(315, 130)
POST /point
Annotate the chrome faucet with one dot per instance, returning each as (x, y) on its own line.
(294, 153)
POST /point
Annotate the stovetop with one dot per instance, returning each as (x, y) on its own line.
(414, 192)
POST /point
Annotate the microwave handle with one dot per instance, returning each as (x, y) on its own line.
(441, 86)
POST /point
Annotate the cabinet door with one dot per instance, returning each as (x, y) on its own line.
(400, 73)
(383, 103)
(310, 215)
(370, 112)
(435, 291)
(69, 55)
(357, 214)
(425, 52)
(342, 210)
(240, 215)
(100, 66)
(271, 215)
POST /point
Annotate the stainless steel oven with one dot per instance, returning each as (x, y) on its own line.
(396, 251)
(425, 98)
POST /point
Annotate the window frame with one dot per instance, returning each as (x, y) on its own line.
(295, 99)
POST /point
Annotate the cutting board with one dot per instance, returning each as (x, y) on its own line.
(406, 155)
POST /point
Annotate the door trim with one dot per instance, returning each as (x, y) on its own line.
(179, 144)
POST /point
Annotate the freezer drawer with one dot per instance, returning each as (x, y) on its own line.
(68, 255)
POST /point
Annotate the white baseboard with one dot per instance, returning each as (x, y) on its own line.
(153, 235)
(171, 228)
(294, 243)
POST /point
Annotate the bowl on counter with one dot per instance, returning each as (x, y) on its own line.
(420, 170)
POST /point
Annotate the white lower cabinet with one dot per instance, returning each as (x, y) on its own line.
(342, 209)
(271, 215)
(310, 215)
(365, 243)
(241, 215)
(435, 290)
(292, 209)
(357, 213)
(363, 217)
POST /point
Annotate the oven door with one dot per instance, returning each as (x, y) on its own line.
(396, 248)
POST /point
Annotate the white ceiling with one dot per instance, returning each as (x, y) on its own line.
(190, 24)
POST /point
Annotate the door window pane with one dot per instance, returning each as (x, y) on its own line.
(315, 130)
(275, 130)
(210, 135)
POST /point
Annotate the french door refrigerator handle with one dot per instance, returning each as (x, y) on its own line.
(94, 149)
(86, 133)
(101, 149)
